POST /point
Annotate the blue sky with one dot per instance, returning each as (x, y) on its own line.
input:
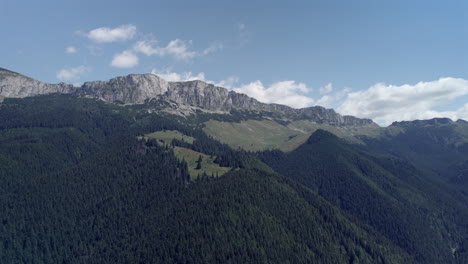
(385, 60)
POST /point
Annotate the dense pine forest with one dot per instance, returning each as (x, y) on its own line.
(79, 183)
(423, 215)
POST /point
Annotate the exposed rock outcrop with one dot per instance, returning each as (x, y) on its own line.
(13, 84)
(138, 88)
(130, 89)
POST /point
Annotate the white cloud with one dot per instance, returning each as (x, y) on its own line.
(229, 83)
(284, 92)
(105, 34)
(462, 112)
(177, 48)
(212, 48)
(72, 74)
(178, 77)
(326, 89)
(125, 59)
(387, 103)
(332, 100)
(146, 47)
(71, 50)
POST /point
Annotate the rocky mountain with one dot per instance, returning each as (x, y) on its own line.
(13, 84)
(438, 145)
(141, 88)
(130, 89)
(87, 181)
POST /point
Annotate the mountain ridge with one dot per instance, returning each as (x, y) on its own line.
(141, 88)
(83, 168)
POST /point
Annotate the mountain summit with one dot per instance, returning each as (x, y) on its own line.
(142, 88)
(13, 84)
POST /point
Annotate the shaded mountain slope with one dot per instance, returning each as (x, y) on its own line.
(387, 193)
(439, 145)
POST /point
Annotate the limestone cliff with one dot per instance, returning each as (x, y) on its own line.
(140, 88)
(13, 84)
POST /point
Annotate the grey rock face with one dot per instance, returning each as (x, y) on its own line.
(137, 88)
(16, 85)
(197, 93)
(131, 89)
(211, 97)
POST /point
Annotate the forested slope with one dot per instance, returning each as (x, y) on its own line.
(390, 194)
(79, 185)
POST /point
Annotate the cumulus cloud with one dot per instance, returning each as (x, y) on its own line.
(105, 34)
(326, 89)
(72, 74)
(177, 48)
(332, 100)
(284, 92)
(387, 103)
(125, 59)
(212, 48)
(146, 47)
(179, 77)
(228, 83)
(71, 50)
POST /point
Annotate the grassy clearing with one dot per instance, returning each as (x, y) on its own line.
(255, 135)
(207, 165)
(190, 156)
(166, 136)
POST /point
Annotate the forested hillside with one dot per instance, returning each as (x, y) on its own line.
(439, 145)
(423, 216)
(79, 184)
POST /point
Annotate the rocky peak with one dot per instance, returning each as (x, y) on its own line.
(5, 72)
(140, 88)
(211, 97)
(132, 89)
(13, 84)
(197, 93)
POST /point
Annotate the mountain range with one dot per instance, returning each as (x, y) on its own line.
(140, 170)
(141, 88)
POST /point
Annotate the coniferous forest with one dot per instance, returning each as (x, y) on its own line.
(79, 183)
